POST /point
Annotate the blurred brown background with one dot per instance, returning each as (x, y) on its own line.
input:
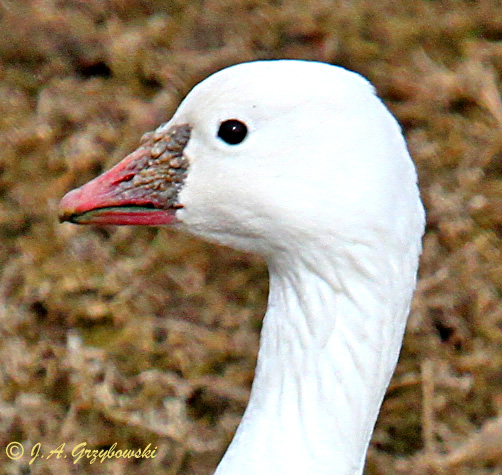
(140, 336)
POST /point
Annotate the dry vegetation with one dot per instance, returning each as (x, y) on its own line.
(141, 336)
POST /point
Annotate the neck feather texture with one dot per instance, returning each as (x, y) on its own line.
(329, 345)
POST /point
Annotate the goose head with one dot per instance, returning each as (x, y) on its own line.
(302, 163)
(271, 155)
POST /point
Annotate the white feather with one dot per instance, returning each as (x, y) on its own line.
(324, 188)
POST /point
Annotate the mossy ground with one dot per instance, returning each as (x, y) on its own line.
(140, 336)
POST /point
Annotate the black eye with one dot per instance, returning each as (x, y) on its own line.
(232, 131)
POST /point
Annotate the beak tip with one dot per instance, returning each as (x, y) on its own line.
(63, 209)
(67, 206)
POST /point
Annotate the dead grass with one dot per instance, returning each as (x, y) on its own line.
(141, 336)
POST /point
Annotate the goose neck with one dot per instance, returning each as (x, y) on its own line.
(329, 344)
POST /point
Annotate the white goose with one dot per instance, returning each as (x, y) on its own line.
(302, 163)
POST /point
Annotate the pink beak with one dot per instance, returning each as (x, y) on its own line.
(142, 189)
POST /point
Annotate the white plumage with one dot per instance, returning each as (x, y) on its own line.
(323, 187)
